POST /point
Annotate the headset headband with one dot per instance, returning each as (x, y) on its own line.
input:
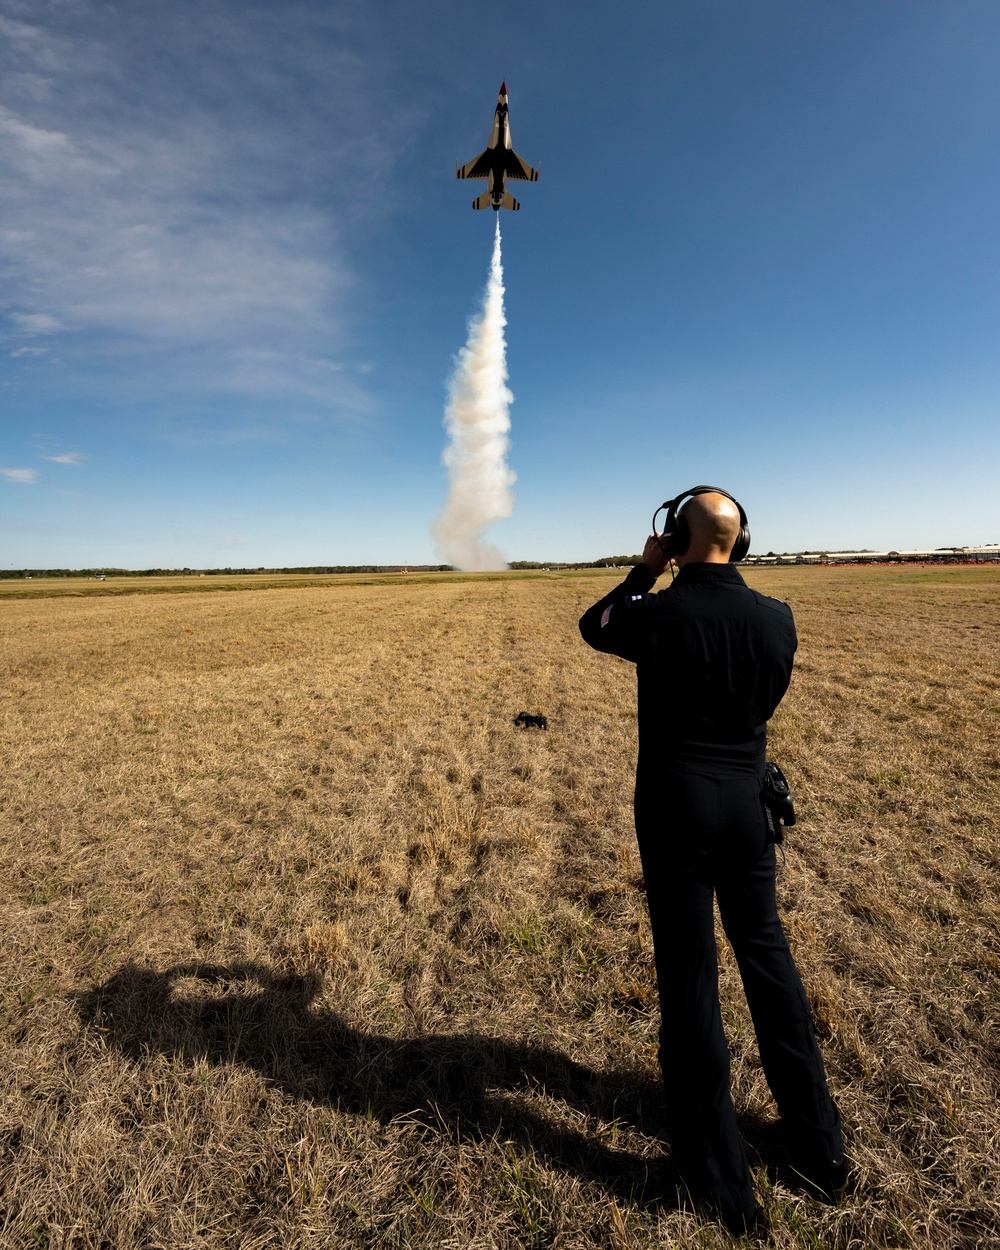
(676, 536)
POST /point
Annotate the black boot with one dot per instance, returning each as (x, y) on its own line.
(822, 1177)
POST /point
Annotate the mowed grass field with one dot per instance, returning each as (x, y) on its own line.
(304, 944)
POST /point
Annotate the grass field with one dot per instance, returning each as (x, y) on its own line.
(305, 945)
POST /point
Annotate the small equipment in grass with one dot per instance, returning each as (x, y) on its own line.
(525, 720)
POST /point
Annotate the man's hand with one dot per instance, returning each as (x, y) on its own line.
(653, 557)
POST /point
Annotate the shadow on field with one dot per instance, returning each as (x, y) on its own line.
(247, 1014)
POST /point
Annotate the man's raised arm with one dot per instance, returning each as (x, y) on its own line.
(611, 625)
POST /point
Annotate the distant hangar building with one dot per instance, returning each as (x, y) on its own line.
(940, 555)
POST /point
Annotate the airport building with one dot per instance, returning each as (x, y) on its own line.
(940, 555)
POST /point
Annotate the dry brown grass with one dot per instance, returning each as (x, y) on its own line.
(305, 945)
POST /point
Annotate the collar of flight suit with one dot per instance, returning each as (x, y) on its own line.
(702, 572)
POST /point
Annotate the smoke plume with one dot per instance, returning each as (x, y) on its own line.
(477, 421)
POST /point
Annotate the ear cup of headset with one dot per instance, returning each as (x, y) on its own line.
(742, 544)
(680, 535)
(676, 536)
(664, 537)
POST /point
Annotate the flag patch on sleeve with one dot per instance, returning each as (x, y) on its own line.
(606, 615)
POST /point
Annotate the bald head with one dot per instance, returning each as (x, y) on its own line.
(714, 522)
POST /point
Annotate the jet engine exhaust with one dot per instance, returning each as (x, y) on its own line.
(477, 419)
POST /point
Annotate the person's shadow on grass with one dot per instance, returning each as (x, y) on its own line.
(249, 1015)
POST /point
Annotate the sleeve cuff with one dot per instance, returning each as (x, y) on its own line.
(640, 579)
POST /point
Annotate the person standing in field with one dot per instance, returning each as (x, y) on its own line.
(713, 659)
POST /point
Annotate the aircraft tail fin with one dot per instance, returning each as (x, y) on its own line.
(510, 202)
(483, 201)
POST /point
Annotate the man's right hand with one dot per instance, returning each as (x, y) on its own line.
(653, 557)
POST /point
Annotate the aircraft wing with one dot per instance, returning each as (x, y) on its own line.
(479, 168)
(517, 168)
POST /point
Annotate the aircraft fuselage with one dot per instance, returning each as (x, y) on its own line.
(498, 163)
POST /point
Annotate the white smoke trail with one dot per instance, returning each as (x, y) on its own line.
(477, 421)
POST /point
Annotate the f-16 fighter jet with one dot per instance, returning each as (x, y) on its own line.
(498, 163)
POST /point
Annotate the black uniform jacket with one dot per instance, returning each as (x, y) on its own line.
(713, 658)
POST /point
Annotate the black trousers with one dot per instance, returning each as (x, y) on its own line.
(703, 835)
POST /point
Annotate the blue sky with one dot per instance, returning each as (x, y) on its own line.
(236, 268)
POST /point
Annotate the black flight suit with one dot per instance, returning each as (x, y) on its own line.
(713, 660)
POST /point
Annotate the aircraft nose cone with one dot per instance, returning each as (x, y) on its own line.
(503, 88)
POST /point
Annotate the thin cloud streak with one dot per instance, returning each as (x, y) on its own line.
(36, 323)
(27, 477)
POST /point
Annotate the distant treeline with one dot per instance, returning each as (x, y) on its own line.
(305, 570)
(312, 569)
(605, 562)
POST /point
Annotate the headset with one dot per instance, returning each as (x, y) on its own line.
(676, 536)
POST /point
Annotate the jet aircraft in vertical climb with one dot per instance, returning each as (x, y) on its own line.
(498, 163)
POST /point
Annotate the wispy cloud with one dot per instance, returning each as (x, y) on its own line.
(36, 323)
(69, 457)
(180, 184)
(25, 476)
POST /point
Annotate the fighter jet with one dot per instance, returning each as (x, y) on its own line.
(498, 163)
